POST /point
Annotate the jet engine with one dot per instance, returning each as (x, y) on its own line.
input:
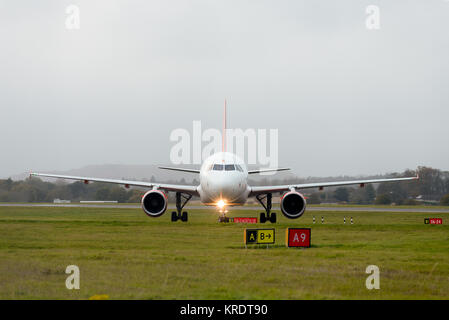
(293, 204)
(154, 203)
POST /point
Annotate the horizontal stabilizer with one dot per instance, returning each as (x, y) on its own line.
(267, 170)
(180, 169)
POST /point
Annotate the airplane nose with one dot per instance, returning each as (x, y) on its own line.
(224, 189)
(227, 188)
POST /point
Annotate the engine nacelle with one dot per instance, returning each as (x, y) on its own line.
(293, 204)
(154, 203)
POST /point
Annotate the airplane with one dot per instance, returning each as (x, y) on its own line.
(223, 180)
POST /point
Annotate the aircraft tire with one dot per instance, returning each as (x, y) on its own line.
(184, 216)
(273, 217)
(263, 218)
(174, 216)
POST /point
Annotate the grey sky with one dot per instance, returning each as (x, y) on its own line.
(346, 100)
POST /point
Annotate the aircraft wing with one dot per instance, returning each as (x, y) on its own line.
(269, 189)
(192, 190)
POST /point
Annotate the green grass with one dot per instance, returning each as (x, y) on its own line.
(124, 254)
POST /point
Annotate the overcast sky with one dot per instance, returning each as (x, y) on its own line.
(346, 99)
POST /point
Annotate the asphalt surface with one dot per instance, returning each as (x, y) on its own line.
(259, 208)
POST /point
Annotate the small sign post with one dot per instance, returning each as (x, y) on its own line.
(298, 237)
(433, 221)
(244, 220)
(259, 236)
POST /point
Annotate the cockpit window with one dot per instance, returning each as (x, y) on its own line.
(239, 168)
(218, 167)
(229, 167)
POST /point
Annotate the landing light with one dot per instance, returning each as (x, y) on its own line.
(221, 204)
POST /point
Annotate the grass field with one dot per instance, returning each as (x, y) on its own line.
(124, 254)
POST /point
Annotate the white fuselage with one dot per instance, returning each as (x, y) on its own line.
(223, 178)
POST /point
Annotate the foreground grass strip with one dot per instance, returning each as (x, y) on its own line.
(123, 254)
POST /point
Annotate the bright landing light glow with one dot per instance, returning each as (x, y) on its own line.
(221, 204)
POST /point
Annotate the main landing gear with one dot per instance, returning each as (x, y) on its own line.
(270, 216)
(181, 201)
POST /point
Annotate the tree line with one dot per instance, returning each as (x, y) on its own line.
(432, 188)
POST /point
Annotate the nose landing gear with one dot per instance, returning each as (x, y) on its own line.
(177, 215)
(270, 216)
(222, 217)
